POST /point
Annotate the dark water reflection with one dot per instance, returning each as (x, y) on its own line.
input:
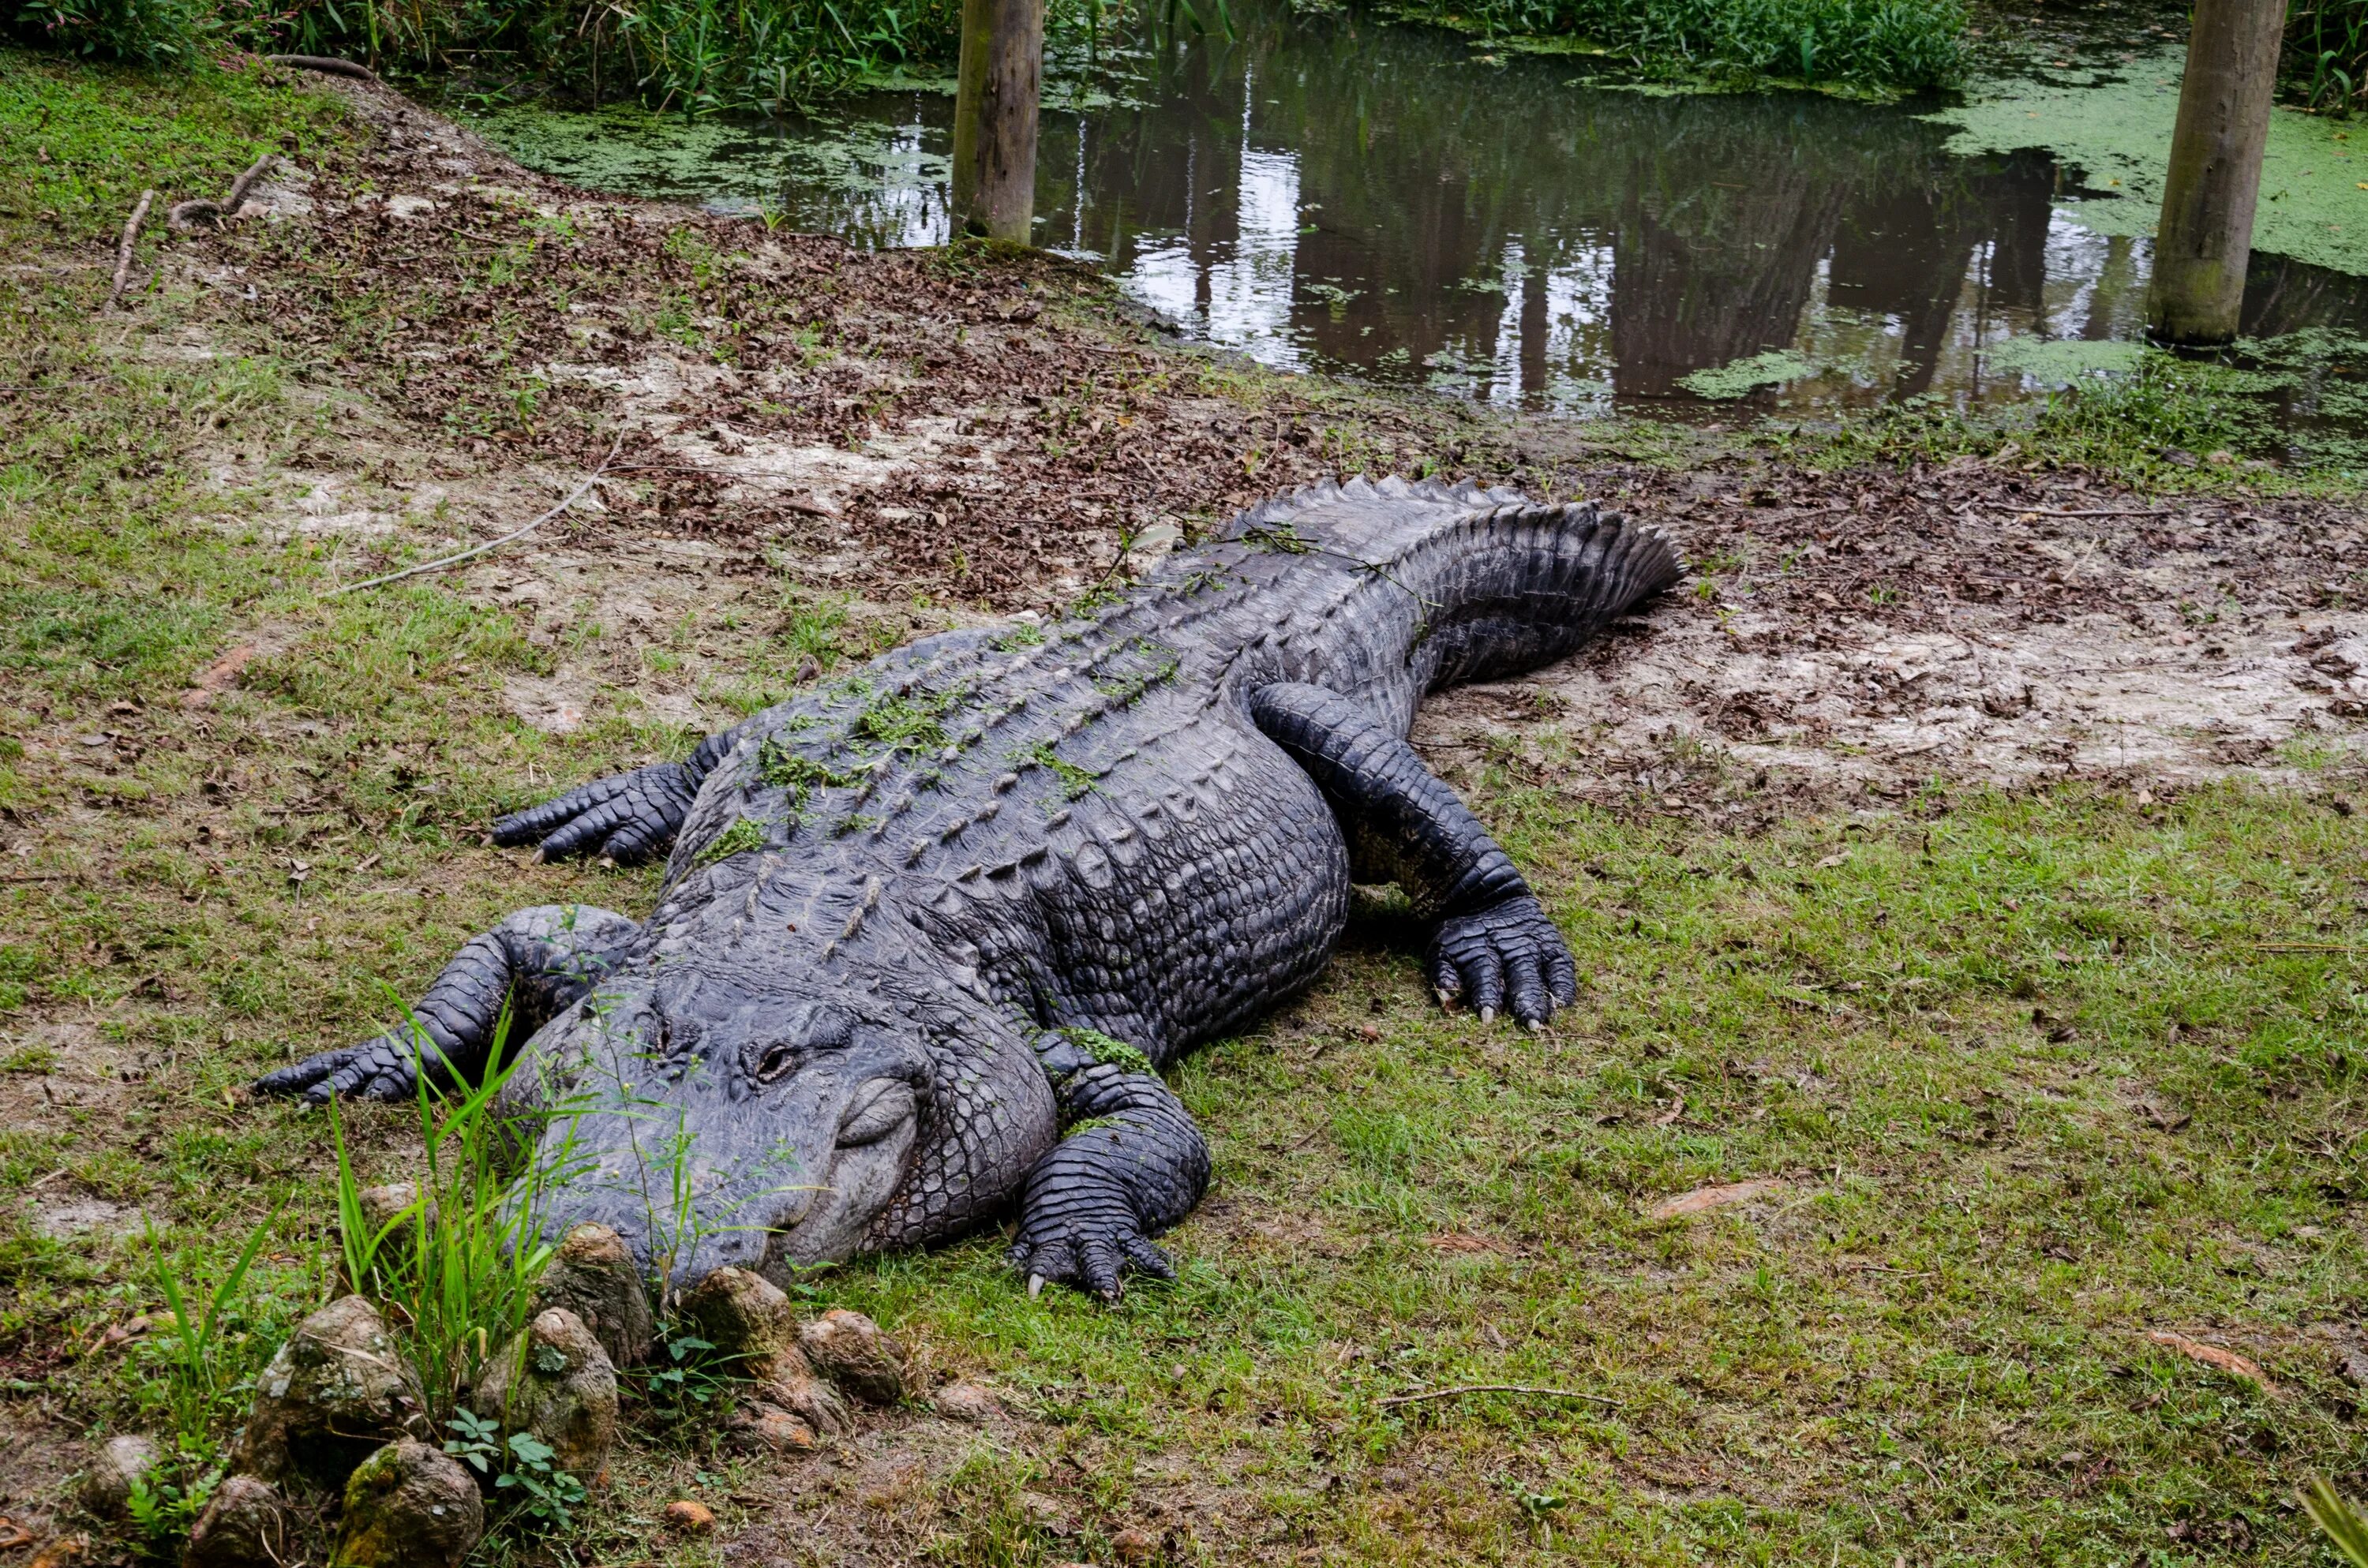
(1338, 195)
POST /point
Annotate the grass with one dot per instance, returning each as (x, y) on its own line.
(1888, 46)
(1930, 1345)
(2167, 423)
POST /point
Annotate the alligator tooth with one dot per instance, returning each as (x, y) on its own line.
(1035, 1286)
(1487, 1016)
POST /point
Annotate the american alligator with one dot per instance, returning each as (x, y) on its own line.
(928, 933)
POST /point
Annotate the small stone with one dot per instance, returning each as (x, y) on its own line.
(765, 1426)
(409, 1506)
(849, 1348)
(336, 1390)
(554, 1381)
(245, 1526)
(749, 1321)
(593, 1275)
(689, 1516)
(973, 1403)
(120, 1462)
(755, 1331)
(809, 1399)
(1134, 1544)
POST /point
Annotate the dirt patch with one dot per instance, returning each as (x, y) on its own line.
(1872, 630)
(980, 430)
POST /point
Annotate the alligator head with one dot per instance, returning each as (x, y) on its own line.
(713, 1123)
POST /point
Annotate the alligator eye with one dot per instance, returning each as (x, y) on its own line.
(777, 1060)
(878, 1109)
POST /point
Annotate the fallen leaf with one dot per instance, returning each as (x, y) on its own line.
(2165, 1120)
(217, 676)
(1706, 1198)
(2213, 1356)
(1840, 857)
(689, 1516)
(1677, 1108)
(1459, 1241)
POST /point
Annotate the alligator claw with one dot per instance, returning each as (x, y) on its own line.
(625, 818)
(385, 1068)
(1508, 957)
(1090, 1243)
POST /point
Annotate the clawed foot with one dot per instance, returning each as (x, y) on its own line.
(386, 1068)
(1506, 956)
(1084, 1233)
(627, 817)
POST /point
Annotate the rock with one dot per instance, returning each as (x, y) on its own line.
(849, 1348)
(409, 1506)
(555, 1381)
(245, 1526)
(768, 1426)
(594, 1276)
(690, 1517)
(809, 1399)
(748, 1320)
(336, 1390)
(755, 1332)
(1134, 1545)
(121, 1461)
(973, 1403)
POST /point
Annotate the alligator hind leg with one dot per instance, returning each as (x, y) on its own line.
(1493, 946)
(536, 962)
(1132, 1166)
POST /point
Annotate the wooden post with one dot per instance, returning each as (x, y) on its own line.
(1000, 79)
(2214, 178)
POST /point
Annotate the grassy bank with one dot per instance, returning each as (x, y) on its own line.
(2034, 1075)
(1879, 46)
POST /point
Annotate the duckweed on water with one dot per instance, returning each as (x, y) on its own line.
(2062, 362)
(2114, 127)
(1746, 376)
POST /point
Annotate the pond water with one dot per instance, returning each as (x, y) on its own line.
(1332, 193)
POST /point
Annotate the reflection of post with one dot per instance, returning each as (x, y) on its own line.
(1534, 325)
(2214, 177)
(995, 96)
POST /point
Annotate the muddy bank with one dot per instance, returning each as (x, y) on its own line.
(1867, 631)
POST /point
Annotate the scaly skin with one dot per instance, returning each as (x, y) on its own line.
(928, 933)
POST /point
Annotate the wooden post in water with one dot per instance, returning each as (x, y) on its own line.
(999, 81)
(2214, 178)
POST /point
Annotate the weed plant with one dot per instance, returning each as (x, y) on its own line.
(2324, 61)
(1883, 45)
(700, 56)
(455, 1268)
(2152, 426)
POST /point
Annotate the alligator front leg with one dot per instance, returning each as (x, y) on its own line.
(536, 962)
(1493, 946)
(1131, 1165)
(626, 817)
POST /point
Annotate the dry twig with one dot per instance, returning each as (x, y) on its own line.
(1460, 1389)
(472, 554)
(123, 251)
(2086, 512)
